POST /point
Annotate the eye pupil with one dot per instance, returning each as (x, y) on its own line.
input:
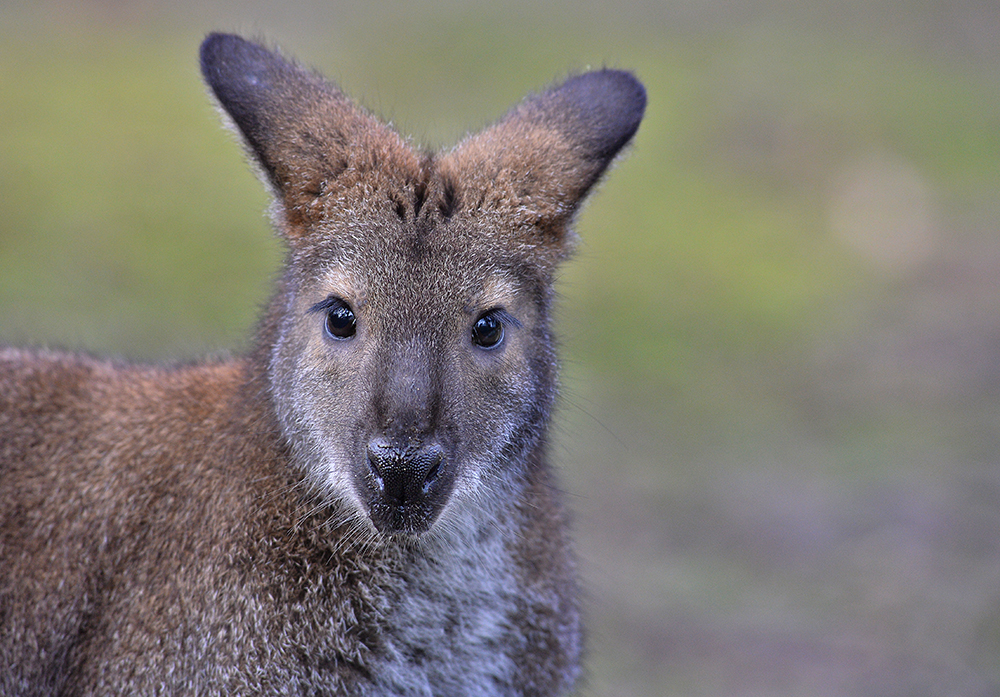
(341, 322)
(487, 332)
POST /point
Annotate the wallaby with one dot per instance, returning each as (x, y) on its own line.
(362, 505)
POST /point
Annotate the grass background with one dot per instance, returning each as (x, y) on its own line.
(781, 334)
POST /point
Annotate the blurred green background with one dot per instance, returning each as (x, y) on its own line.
(781, 334)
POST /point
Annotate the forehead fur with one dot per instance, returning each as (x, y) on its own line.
(461, 258)
(384, 219)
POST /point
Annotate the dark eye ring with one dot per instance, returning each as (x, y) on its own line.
(340, 322)
(487, 332)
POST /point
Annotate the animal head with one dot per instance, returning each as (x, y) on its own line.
(411, 364)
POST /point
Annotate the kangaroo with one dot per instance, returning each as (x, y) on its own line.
(362, 504)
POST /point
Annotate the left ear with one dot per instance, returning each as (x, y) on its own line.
(550, 150)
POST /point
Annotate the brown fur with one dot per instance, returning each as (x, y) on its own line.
(366, 514)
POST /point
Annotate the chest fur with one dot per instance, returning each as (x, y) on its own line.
(451, 621)
(442, 615)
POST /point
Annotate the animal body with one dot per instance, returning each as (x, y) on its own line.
(362, 505)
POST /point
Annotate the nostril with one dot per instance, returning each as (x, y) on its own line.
(389, 471)
(432, 473)
(375, 473)
(379, 458)
(430, 459)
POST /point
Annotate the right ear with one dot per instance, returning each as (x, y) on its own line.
(308, 138)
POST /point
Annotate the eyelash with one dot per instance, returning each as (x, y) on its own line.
(506, 319)
(330, 303)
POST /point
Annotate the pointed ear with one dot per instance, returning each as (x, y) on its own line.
(308, 138)
(544, 156)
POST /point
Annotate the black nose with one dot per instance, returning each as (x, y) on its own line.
(404, 476)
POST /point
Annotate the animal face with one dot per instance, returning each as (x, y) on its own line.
(412, 366)
(414, 360)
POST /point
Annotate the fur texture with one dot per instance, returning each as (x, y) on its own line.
(361, 506)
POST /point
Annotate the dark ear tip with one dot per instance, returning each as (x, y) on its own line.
(625, 89)
(621, 85)
(215, 39)
(611, 103)
(631, 97)
(215, 47)
(227, 57)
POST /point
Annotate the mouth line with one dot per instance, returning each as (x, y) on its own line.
(407, 519)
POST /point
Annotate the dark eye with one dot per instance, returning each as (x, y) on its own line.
(341, 322)
(487, 332)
